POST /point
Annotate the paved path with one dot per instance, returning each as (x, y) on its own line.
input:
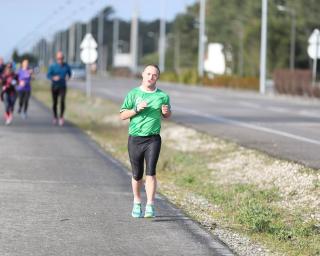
(60, 194)
(287, 128)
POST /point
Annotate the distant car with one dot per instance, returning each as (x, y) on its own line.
(78, 71)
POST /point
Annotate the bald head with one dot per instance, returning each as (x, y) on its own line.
(59, 57)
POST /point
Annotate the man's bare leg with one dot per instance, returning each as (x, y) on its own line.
(136, 188)
(151, 186)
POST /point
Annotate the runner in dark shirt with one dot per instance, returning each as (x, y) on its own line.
(8, 81)
(59, 73)
(2, 66)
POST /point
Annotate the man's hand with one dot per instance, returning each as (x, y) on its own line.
(141, 106)
(165, 110)
(56, 78)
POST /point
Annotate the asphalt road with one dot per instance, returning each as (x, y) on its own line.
(60, 194)
(288, 128)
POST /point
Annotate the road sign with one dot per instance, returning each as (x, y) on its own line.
(216, 61)
(88, 48)
(314, 45)
(314, 52)
(313, 37)
(88, 55)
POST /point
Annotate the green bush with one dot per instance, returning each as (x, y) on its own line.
(237, 82)
(256, 216)
(169, 76)
(189, 76)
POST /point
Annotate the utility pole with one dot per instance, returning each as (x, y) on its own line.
(65, 44)
(293, 39)
(177, 52)
(79, 39)
(292, 13)
(162, 38)
(115, 41)
(101, 60)
(202, 37)
(71, 43)
(134, 39)
(263, 49)
(88, 28)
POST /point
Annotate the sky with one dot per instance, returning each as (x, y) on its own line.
(24, 22)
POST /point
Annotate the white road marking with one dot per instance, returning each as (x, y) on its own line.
(233, 122)
(250, 126)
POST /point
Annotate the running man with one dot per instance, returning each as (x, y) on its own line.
(59, 73)
(145, 106)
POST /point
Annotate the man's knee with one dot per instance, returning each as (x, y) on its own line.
(137, 176)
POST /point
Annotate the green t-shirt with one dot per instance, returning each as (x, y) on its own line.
(148, 121)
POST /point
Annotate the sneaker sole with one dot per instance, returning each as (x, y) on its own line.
(149, 216)
(137, 216)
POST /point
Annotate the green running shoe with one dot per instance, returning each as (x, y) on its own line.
(136, 211)
(150, 212)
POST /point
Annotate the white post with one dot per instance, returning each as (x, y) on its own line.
(202, 20)
(88, 81)
(315, 60)
(263, 49)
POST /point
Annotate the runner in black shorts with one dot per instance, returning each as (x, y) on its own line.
(59, 73)
(145, 106)
(144, 148)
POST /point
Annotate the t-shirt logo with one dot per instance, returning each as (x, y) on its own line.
(138, 100)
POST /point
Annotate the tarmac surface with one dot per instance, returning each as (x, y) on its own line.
(61, 194)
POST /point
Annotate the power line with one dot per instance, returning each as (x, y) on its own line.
(53, 21)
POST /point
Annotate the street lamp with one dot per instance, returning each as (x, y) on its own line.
(263, 48)
(292, 13)
(202, 37)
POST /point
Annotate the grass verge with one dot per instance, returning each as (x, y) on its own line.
(217, 183)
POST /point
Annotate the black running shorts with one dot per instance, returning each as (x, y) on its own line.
(146, 148)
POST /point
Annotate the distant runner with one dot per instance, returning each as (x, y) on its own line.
(2, 66)
(145, 106)
(59, 73)
(24, 88)
(8, 81)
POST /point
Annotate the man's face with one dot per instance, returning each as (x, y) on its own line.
(150, 75)
(59, 58)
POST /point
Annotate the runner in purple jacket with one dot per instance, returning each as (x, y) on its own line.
(24, 88)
